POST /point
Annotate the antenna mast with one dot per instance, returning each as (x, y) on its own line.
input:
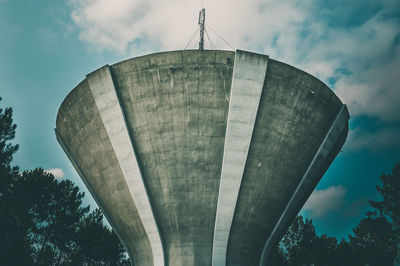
(202, 18)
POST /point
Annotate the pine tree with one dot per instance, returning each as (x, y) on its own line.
(43, 221)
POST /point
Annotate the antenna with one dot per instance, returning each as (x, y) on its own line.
(202, 18)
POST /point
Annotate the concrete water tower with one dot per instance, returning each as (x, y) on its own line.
(201, 157)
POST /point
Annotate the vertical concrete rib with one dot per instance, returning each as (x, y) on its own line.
(105, 96)
(247, 85)
(323, 152)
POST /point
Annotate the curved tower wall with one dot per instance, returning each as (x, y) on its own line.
(201, 157)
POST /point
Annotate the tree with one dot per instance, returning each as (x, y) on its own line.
(299, 242)
(277, 257)
(41, 215)
(390, 191)
(390, 206)
(96, 244)
(43, 221)
(7, 133)
(327, 251)
(11, 236)
(372, 241)
(376, 238)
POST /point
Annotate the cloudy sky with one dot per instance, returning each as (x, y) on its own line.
(47, 47)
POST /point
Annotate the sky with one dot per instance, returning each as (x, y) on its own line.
(47, 47)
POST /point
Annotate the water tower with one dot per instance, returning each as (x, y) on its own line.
(201, 157)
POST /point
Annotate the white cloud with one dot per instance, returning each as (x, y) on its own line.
(169, 24)
(363, 59)
(373, 88)
(109, 24)
(56, 172)
(325, 200)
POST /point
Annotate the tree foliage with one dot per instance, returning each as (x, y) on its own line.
(43, 221)
(375, 239)
(389, 207)
(7, 149)
(7, 133)
(390, 192)
(372, 241)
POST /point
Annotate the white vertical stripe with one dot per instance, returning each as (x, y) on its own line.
(104, 94)
(335, 131)
(247, 85)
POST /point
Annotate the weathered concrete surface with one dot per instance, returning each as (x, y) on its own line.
(102, 87)
(80, 173)
(175, 106)
(84, 137)
(323, 154)
(247, 85)
(295, 114)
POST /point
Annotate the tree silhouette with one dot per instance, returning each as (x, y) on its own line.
(7, 133)
(375, 239)
(372, 241)
(43, 221)
(300, 242)
(390, 206)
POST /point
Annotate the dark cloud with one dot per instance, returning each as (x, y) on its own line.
(345, 14)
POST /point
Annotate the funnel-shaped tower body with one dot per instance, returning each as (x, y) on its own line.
(201, 157)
